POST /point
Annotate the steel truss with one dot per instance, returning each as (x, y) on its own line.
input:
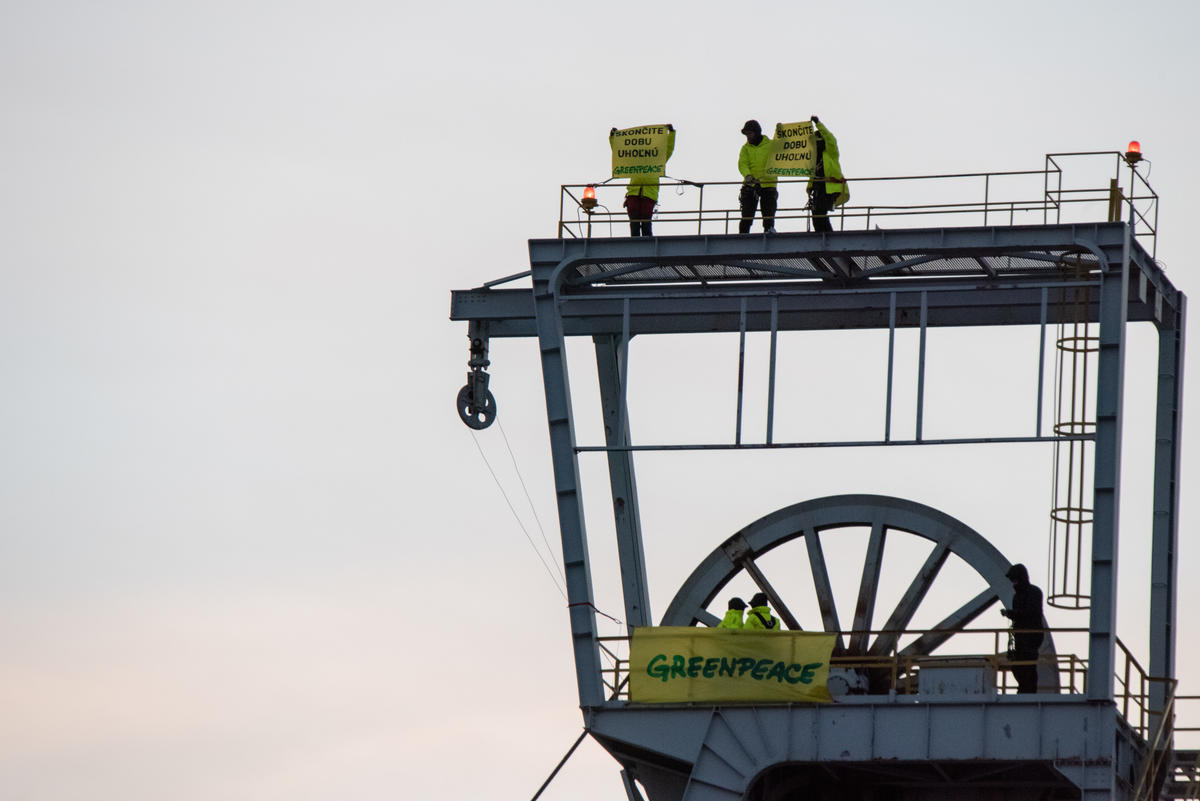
(615, 289)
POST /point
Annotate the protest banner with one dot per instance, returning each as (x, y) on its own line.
(793, 150)
(685, 664)
(641, 151)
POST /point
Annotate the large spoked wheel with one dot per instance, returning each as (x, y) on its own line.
(814, 525)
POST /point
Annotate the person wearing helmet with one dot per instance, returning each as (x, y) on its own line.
(760, 617)
(733, 617)
(758, 189)
(1025, 612)
(828, 187)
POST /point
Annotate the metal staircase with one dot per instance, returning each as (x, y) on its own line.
(1184, 779)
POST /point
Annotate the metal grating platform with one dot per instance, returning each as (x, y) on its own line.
(834, 267)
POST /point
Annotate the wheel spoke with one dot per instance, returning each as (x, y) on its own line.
(926, 643)
(707, 618)
(781, 609)
(820, 574)
(902, 615)
(864, 609)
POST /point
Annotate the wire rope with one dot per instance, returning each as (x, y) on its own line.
(561, 589)
(528, 499)
(559, 586)
(558, 767)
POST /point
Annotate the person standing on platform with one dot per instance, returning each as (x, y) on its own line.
(1026, 616)
(760, 617)
(642, 195)
(758, 189)
(733, 617)
(828, 187)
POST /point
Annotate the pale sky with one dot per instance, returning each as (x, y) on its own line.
(247, 549)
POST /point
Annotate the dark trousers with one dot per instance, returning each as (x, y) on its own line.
(1025, 649)
(752, 197)
(640, 209)
(822, 204)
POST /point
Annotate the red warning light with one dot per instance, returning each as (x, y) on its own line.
(589, 198)
(1134, 153)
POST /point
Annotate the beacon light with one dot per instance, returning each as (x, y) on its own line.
(1134, 153)
(589, 198)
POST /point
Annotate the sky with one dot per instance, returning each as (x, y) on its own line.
(247, 549)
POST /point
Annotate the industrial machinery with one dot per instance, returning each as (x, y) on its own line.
(912, 717)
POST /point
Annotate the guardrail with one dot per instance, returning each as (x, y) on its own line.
(901, 673)
(1014, 197)
(1187, 707)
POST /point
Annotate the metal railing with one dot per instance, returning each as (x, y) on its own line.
(1188, 708)
(988, 647)
(1012, 197)
(1159, 752)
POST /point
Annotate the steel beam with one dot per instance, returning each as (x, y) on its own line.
(686, 309)
(1165, 528)
(687, 305)
(576, 562)
(611, 360)
(967, 241)
(1106, 485)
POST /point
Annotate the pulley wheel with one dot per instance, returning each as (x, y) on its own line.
(484, 408)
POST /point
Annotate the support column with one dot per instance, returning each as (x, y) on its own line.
(611, 356)
(1110, 380)
(552, 348)
(1165, 530)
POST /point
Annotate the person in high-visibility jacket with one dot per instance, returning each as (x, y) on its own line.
(760, 616)
(827, 188)
(758, 188)
(733, 617)
(642, 194)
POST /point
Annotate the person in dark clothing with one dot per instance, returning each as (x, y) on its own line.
(1025, 614)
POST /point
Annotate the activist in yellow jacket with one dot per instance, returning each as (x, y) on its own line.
(830, 167)
(758, 189)
(647, 185)
(760, 617)
(752, 161)
(642, 193)
(733, 618)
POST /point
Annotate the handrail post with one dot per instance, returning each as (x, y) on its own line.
(1125, 700)
(987, 179)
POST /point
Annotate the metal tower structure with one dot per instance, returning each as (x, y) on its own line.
(889, 733)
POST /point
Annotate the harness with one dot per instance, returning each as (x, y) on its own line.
(766, 625)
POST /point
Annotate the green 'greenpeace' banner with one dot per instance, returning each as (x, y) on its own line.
(793, 150)
(683, 664)
(640, 151)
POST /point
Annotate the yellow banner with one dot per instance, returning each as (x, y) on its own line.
(682, 664)
(641, 151)
(793, 150)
